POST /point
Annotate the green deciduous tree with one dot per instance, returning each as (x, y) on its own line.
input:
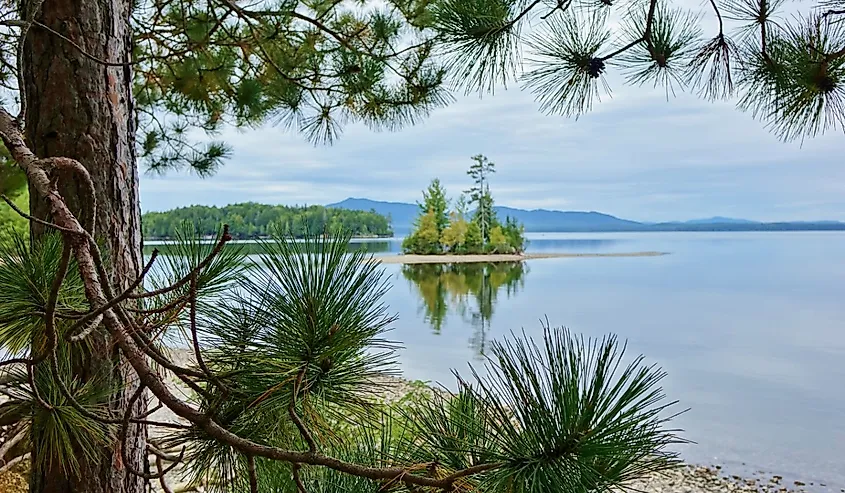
(453, 238)
(425, 239)
(499, 242)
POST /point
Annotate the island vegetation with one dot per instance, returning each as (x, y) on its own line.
(439, 230)
(251, 221)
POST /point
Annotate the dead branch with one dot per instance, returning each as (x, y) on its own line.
(17, 460)
(161, 479)
(300, 486)
(303, 430)
(15, 437)
(253, 477)
(161, 454)
(122, 434)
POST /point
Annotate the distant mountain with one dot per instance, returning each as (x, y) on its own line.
(402, 216)
(720, 220)
(546, 220)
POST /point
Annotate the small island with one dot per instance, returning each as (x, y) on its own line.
(459, 232)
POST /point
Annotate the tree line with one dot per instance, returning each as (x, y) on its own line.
(251, 220)
(458, 231)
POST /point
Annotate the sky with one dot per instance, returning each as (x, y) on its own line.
(637, 156)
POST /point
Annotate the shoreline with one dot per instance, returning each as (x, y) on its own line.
(495, 258)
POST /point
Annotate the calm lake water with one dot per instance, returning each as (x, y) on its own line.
(749, 326)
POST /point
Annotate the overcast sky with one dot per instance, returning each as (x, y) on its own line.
(636, 156)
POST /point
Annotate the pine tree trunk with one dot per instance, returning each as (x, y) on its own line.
(82, 109)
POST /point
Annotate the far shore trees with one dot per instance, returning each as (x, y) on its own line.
(438, 230)
(251, 220)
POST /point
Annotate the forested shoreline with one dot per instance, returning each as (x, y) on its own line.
(251, 220)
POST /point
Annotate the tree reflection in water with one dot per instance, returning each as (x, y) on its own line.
(467, 290)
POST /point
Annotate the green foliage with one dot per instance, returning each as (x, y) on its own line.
(425, 239)
(311, 66)
(499, 243)
(454, 236)
(64, 436)
(13, 185)
(515, 233)
(479, 40)
(474, 240)
(604, 422)
(563, 65)
(26, 274)
(308, 324)
(664, 61)
(251, 220)
(434, 199)
(186, 252)
(810, 84)
(479, 195)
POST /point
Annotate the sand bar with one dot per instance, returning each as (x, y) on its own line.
(469, 259)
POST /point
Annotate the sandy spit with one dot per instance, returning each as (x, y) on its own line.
(469, 259)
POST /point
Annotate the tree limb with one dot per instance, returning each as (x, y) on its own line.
(17, 460)
(253, 477)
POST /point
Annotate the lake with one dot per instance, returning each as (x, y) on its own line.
(749, 326)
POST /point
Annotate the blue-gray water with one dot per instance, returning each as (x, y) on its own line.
(749, 326)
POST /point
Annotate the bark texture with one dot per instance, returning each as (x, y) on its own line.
(82, 109)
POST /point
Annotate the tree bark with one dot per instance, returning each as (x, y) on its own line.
(81, 109)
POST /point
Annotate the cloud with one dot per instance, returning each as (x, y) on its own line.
(636, 155)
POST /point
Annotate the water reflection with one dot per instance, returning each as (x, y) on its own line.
(469, 291)
(581, 245)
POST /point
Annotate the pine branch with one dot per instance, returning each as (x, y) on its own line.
(646, 37)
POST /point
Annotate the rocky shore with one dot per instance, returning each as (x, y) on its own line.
(687, 479)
